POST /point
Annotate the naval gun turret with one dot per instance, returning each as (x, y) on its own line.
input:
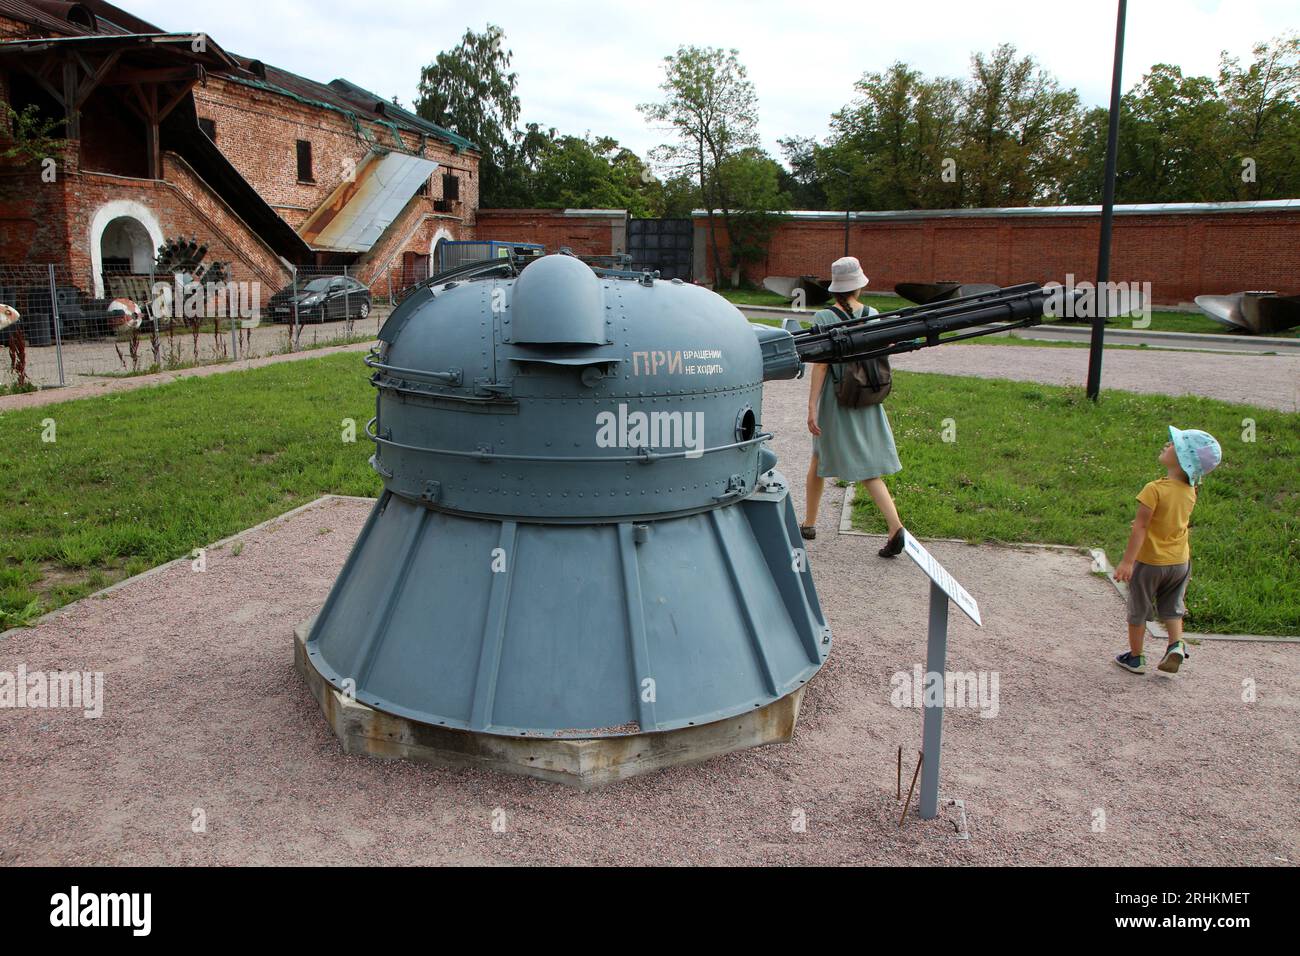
(584, 563)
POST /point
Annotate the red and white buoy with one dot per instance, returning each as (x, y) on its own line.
(124, 315)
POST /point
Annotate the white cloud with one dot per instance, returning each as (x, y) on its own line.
(585, 65)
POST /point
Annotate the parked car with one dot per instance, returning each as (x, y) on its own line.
(327, 299)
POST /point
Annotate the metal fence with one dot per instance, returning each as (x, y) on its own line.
(454, 253)
(67, 331)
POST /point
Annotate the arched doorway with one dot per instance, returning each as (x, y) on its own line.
(434, 243)
(124, 237)
(125, 247)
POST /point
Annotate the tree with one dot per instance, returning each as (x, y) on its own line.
(1262, 120)
(1202, 139)
(752, 181)
(801, 182)
(586, 173)
(1019, 132)
(471, 91)
(710, 104)
(30, 135)
(888, 146)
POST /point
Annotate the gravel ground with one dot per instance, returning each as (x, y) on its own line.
(204, 711)
(1270, 381)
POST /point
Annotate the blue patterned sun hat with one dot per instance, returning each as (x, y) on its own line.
(1198, 452)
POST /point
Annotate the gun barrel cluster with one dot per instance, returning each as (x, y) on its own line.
(903, 330)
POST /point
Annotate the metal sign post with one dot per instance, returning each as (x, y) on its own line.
(943, 586)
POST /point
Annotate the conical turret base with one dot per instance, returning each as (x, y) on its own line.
(573, 631)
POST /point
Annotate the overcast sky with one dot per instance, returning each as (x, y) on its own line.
(584, 66)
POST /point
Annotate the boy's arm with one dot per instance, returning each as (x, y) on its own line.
(1125, 570)
(815, 381)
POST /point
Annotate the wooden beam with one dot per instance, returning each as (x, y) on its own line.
(151, 136)
(143, 101)
(39, 76)
(127, 101)
(176, 99)
(132, 76)
(94, 78)
(70, 108)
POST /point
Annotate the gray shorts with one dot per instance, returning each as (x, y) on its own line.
(1160, 587)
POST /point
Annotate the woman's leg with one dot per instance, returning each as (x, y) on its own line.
(813, 488)
(880, 495)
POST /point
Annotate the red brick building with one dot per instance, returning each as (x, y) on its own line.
(169, 134)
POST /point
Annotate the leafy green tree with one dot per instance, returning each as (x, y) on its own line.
(752, 181)
(26, 135)
(586, 173)
(1202, 139)
(711, 107)
(801, 182)
(470, 89)
(674, 198)
(889, 145)
(1018, 132)
(1262, 107)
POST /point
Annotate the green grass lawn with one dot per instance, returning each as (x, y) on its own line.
(139, 478)
(1039, 463)
(1160, 321)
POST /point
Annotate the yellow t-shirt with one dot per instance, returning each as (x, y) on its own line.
(1171, 503)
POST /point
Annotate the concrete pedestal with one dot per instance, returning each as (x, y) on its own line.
(583, 763)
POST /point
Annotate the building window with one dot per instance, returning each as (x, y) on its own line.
(304, 162)
(209, 128)
(424, 189)
(450, 186)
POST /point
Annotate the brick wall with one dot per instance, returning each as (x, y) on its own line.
(1182, 254)
(52, 222)
(258, 130)
(382, 268)
(11, 29)
(599, 234)
(33, 223)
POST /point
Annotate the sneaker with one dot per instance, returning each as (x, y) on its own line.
(1134, 663)
(1173, 658)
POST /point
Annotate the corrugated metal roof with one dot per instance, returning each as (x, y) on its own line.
(44, 22)
(180, 44)
(358, 212)
(345, 97)
(56, 17)
(404, 117)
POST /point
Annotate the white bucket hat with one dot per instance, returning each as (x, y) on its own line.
(847, 275)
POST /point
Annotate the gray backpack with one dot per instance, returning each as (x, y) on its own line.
(862, 383)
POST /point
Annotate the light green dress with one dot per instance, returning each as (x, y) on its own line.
(855, 443)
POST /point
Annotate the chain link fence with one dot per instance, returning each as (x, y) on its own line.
(56, 331)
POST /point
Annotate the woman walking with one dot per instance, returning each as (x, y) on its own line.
(852, 443)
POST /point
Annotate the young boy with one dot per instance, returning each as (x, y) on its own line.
(1157, 562)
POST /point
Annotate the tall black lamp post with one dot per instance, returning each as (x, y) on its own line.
(1107, 215)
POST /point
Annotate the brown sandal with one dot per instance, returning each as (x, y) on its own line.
(807, 532)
